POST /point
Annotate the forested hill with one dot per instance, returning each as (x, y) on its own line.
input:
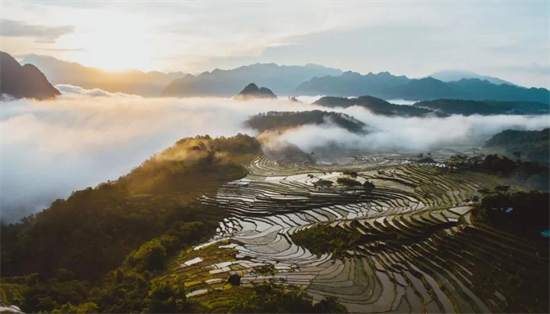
(93, 230)
(278, 121)
(376, 106)
(529, 145)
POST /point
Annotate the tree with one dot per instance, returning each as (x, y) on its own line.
(167, 297)
(88, 307)
(329, 305)
(234, 280)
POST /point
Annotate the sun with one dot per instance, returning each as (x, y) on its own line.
(114, 44)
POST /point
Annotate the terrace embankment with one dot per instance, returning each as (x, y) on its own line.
(403, 242)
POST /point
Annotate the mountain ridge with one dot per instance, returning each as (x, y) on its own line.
(281, 79)
(457, 75)
(24, 81)
(147, 84)
(387, 86)
(437, 107)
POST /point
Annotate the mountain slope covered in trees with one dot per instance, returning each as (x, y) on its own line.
(280, 121)
(375, 105)
(530, 145)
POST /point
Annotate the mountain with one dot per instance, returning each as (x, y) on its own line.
(225, 83)
(376, 106)
(279, 121)
(23, 81)
(470, 107)
(476, 89)
(425, 88)
(531, 145)
(251, 91)
(351, 84)
(438, 107)
(387, 86)
(457, 75)
(147, 84)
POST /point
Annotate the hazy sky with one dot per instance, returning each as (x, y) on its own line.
(415, 38)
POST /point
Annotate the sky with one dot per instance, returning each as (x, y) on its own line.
(506, 39)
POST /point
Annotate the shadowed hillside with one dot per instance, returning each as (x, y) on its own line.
(376, 106)
(23, 81)
(529, 145)
(279, 121)
(92, 231)
(252, 91)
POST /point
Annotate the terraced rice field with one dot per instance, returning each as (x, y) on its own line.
(426, 254)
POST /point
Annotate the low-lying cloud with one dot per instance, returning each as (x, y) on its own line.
(410, 135)
(85, 137)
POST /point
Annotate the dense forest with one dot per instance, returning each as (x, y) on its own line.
(521, 213)
(279, 121)
(530, 174)
(92, 231)
(528, 145)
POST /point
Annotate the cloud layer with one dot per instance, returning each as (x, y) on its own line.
(41, 33)
(85, 137)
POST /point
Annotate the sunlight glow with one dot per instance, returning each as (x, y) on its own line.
(113, 44)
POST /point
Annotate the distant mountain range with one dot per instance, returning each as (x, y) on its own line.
(439, 107)
(282, 80)
(23, 81)
(252, 91)
(147, 84)
(387, 86)
(457, 75)
(290, 80)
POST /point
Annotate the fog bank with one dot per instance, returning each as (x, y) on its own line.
(85, 137)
